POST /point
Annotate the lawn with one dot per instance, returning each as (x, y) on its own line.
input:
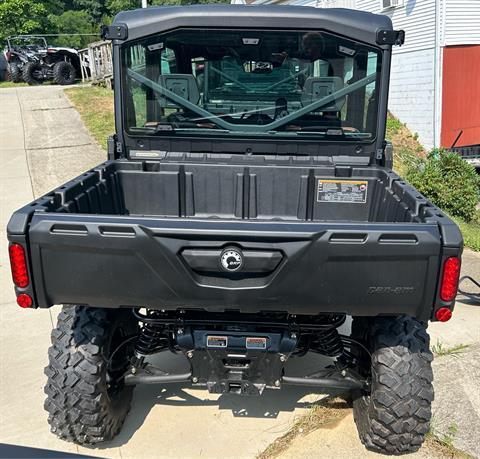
(470, 232)
(95, 105)
(10, 84)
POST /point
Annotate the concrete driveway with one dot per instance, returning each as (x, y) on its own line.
(42, 144)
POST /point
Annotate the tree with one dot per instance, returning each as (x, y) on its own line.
(97, 9)
(74, 22)
(22, 17)
(55, 7)
(115, 6)
(68, 16)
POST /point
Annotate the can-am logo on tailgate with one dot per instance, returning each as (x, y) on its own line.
(390, 290)
(231, 259)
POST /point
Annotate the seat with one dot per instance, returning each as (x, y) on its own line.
(183, 85)
(315, 88)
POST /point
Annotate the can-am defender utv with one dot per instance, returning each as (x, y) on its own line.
(247, 207)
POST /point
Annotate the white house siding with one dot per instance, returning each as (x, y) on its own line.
(462, 22)
(416, 17)
(336, 3)
(415, 87)
(412, 95)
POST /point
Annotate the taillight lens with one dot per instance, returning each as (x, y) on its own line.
(24, 300)
(18, 263)
(450, 276)
(443, 315)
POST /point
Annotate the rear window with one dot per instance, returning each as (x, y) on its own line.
(243, 83)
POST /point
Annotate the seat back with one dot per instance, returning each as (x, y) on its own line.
(183, 85)
(315, 88)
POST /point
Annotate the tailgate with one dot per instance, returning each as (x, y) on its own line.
(302, 268)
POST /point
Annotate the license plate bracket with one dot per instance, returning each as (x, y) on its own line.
(240, 362)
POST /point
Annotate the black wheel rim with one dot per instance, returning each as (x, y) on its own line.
(67, 73)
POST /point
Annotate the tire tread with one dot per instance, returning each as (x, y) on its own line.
(397, 415)
(79, 408)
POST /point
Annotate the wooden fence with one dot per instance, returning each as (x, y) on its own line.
(96, 62)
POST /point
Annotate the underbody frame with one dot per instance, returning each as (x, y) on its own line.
(244, 353)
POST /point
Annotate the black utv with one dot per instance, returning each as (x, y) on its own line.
(247, 209)
(18, 51)
(32, 60)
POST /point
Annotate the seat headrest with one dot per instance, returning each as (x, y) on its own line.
(316, 88)
(184, 85)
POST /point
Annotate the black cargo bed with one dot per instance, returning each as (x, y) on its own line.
(130, 234)
(277, 191)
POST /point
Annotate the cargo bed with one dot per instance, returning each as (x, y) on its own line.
(315, 238)
(234, 191)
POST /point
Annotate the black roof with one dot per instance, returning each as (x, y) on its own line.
(358, 25)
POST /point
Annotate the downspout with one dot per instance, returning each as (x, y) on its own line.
(438, 72)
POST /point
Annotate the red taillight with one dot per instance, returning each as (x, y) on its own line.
(450, 276)
(24, 300)
(18, 263)
(443, 314)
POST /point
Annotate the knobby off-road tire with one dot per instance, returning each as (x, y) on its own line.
(15, 73)
(83, 404)
(64, 73)
(395, 416)
(28, 73)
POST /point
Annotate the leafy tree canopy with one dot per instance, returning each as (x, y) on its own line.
(22, 17)
(68, 16)
(73, 22)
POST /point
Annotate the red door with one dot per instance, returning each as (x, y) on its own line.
(461, 96)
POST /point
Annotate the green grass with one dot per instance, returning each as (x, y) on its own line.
(443, 444)
(470, 231)
(446, 439)
(95, 105)
(323, 414)
(440, 351)
(406, 147)
(10, 84)
(407, 153)
(394, 125)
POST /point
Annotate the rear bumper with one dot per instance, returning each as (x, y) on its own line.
(353, 268)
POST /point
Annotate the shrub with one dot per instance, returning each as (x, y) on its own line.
(394, 125)
(448, 181)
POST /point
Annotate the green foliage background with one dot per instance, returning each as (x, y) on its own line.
(68, 17)
(449, 181)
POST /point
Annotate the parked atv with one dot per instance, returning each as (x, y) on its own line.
(58, 64)
(32, 60)
(19, 50)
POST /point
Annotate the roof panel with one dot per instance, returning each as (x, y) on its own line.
(359, 25)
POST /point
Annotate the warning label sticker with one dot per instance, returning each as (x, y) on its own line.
(350, 191)
(256, 342)
(217, 341)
